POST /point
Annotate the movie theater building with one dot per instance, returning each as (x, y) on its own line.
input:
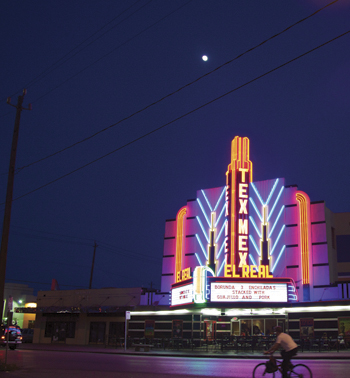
(249, 255)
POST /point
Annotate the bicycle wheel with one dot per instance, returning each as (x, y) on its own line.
(300, 371)
(260, 371)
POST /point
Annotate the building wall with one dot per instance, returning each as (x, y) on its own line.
(82, 317)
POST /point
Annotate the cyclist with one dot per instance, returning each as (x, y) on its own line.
(289, 349)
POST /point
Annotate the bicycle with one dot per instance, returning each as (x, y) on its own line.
(274, 365)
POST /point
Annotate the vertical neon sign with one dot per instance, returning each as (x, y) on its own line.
(180, 223)
(238, 176)
(305, 234)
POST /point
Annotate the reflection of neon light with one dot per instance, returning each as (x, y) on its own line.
(255, 208)
(217, 203)
(278, 258)
(222, 229)
(220, 269)
(274, 205)
(220, 215)
(179, 239)
(277, 239)
(205, 215)
(203, 249)
(200, 223)
(304, 205)
(211, 209)
(221, 249)
(278, 217)
(271, 193)
(255, 226)
(255, 246)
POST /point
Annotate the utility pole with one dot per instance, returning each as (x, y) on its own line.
(9, 194)
(93, 263)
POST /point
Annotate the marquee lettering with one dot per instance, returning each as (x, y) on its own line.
(248, 271)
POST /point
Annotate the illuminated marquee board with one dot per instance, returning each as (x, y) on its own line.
(182, 295)
(248, 292)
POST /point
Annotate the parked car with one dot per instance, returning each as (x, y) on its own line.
(27, 335)
(14, 337)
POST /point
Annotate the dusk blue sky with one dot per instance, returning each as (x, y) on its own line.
(105, 61)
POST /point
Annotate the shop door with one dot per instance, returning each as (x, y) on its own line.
(116, 333)
(209, 329)
(97, 332)
(59, 334)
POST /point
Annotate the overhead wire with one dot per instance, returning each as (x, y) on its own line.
(182, 116)
(102, 245)
(54, 66)
(110, 52)
(178, 90)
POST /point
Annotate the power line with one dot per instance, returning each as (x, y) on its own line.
(110, 52)
(53, 233)
(102, 245)
(52, 67)
(172, 93)
(183, 116)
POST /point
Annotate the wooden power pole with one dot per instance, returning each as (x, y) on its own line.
(9, 194)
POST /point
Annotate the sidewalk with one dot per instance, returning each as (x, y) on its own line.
(199, 353)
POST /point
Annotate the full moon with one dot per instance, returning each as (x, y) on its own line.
(205, 58)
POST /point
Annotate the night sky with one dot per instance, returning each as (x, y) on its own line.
(102, 67)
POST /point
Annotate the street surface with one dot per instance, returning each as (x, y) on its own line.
(59, 364)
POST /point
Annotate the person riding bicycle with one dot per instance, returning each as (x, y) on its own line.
(289, 349)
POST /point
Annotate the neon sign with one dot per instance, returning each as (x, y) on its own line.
(238, 176)
(180, 222)
(304, 211)
(248, 271)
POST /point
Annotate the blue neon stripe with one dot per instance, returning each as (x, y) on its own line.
(257, 193)
(278, 258)
(200, 223)
(272, 191)
(255, 226)
(211, 209)
(222, 229)
(199, 260)
(220, 250)
(255, 246)
(255, 208)
(222, 265)
(276, 221)
(222, 211)
(274, 205)
(252, 259)
(205, 215)
(217, 203)
(201, 245)
(277, 239)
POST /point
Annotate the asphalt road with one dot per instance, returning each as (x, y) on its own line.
(59, 364)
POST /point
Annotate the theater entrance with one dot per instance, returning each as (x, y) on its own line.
(248, 326)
